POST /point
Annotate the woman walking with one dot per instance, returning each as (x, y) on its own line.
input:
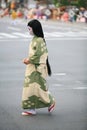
(35, 92)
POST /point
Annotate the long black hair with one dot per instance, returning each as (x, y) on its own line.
(38, 31)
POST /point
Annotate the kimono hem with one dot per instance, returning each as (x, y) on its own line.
(35, 92)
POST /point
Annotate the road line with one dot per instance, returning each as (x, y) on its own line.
(80, 88)
(48, 39)
(57, 85)
(13, 28)
(61, 87)
(47, 34)
(2, 40)
(59, 74)
(21, 34)
(8, 35)
(68, 38)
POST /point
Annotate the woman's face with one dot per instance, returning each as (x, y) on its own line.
(30, 30)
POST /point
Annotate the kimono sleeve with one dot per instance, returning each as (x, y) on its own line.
(36, 48)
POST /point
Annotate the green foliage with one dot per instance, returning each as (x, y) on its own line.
(82, 3)
(56, 3)
(64, 2)
(79, 3)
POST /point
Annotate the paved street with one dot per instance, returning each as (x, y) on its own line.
(67, 46)
(53, 30)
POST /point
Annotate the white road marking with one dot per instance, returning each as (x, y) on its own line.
(62, 87)
(59, 74)
(13, 28)
(21, 34)
(67, 38)
(48, 35)
(80, 88)
(8, 35)
(58, 85)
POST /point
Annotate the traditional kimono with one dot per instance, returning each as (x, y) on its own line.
(35, 92)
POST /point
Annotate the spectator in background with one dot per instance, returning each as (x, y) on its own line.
(65, 17)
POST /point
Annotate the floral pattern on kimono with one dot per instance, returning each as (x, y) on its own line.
(35, 92)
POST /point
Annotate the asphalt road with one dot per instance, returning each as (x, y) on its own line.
(67, 46)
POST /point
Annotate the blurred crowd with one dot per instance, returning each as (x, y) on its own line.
(20, 9)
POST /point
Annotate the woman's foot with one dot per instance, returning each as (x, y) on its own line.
(51, 107)
(30, 112)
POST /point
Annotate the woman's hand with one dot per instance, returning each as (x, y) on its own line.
(26, 61)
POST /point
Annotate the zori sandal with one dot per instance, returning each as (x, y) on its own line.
(27, 113)
(51, 108)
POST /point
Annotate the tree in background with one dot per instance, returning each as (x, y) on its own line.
(56, 3)
(64, 2)
(82, 3)
(78, 3)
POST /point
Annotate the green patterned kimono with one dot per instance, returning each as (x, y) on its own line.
(35, 92)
